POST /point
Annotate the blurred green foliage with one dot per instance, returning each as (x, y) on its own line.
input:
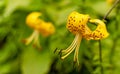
(16, 58)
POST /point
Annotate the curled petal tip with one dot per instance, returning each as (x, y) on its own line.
(101, 31)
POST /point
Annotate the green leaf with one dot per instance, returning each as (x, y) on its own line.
(34, 62)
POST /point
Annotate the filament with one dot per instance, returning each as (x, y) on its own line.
(77, 49)
(28, 40)
(63, 57)
(36, 38)
(71, 46)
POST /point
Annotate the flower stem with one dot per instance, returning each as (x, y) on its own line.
(100, 55)
(109, 11)
(100, 47)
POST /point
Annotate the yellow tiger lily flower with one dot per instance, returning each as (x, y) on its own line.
(77, 24)
(39, 26)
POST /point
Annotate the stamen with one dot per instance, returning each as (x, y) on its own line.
(71, 46)
(55, 50)
(77, 49)
(36, 39)
(28, 40)
(63, 57)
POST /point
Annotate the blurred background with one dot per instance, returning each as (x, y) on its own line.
(17, 58)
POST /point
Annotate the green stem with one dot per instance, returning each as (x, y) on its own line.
(100, 47)
(100, 55)
(112, 52)
(109, 11)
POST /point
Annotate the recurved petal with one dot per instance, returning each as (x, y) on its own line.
(100, 32)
